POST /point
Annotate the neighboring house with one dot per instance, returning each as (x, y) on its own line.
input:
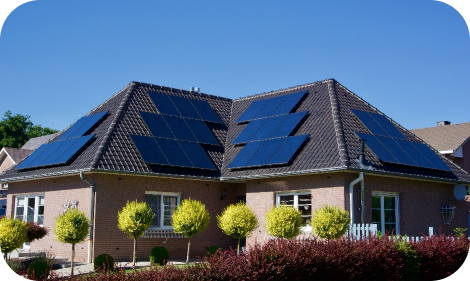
(3, 203)
(450, 140)
(301, 146)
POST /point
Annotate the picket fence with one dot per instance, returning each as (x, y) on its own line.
(361, 231)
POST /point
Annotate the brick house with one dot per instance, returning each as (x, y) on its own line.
(303, 146)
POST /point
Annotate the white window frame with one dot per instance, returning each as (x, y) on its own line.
(383, 194)
(178, 202)
(36, 205)
(305, 229)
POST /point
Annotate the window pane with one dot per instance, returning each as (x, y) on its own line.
(154, 202)
(305, 199)
(20, 202)
(31, 202)
(41, 219)
(169, 205)
(305, 220)
(30, 209)
(287, 200)
(376, 202)
(376, 216)
(41, 200)
(390, 227)
(389, 203)
(389, 216)
(41, 210)
(19, 213)
(306, 210)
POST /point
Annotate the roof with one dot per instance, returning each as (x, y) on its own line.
(34, 143)
(16, 154)
(445, 138)
(332, 143)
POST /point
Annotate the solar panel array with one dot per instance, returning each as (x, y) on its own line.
(267, 135)
(391, 146)
(65, 147)
(177, 132)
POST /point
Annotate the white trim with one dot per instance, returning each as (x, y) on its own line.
(383, 194)
(304, 229)
(162, 207)
(5, 151)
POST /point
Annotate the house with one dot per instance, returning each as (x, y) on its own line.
(450, 140)
(303, 146)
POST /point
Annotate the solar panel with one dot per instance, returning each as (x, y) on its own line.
(185, 107)
(205, 111)
(249, 131)
(245, 155)
(82, 126)
(252, 110)
(430, 155)
(289, 103)
(265, 152)
(377, 148)
(415, 154)
(179, 128)
(268, 128)
(149, 150)
(174, 153)
(287, 150)
(202, 133)
(57, 149)
(26, 162)
(397, 151)
(197, 155)
(73, 149)
(387, 126)
(269, 107)
(49, 148)
(157, 125)
(163, 104)
(289, 123)
(369, 122)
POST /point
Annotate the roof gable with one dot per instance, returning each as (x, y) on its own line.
(445, 138)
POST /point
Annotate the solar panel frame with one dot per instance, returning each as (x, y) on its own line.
(82, 126)
(290, 122)
(249, 131)
(369, 122)
(432, 157)
(156, 125)
(27, 162)
(179, 128)
(289, 103)
(264, 154)
(397, 151)
(268, 128)
(414, 153)
(287, 150)
(387, 125)
(58, 148)
(197, 155)
(252, 110)
(378, 148)
(201, 132)
(206, 112)
(163, 103)
(185, 107)
(149, 150)
(269, 107)
(174, 153)
(74, 148)
(245, 155)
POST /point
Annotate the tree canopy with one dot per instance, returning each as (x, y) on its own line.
(16, 130)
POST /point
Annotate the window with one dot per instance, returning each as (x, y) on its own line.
(163, 205)
(385, 211)
(300, 201)
(30, 208)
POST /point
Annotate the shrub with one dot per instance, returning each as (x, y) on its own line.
(212, 250)
(104, 262)
(15, 264)
(283, 222)
(189, 219)
(159, 256)
(35, 231)
(12, 234)
(134, 219)
(237, 221)
(39, 269)
(330, 222)
(459, 231)
(410, 268)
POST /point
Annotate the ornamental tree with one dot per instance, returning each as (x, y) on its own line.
(12, 234)
(330, 222)
(237, 221)
(35, 231)
(134, 219)
(72, 228)
(283, 222)
(189, 219)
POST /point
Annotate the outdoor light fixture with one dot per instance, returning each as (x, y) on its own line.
(224, 194)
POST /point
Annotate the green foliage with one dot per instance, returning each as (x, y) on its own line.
(71, 227)
(190, 218)
(15, 264)
(39, 269)
(283, 222)
(104, 262)
(410, 257)
(159, 256)
(459, 231)
(237, 220)
(16, 130)
(13, 233)
(330, 222)
(212, 250)
(135, 218)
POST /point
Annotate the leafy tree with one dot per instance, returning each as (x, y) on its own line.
(12, 234)
(330, 222)
(134, 219)
(35, 231)
(72, 228)
(283, 222)
(238, 221)
(16, 130)
(189, 219)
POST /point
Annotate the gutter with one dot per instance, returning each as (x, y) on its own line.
(92, 207)
(351, 201)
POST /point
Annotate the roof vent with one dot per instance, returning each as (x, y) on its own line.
(198, 90)
(443, 123)
(191, 89)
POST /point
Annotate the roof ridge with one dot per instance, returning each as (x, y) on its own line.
(130, 89)
(183, 91)
(337, 123)
(446, 126)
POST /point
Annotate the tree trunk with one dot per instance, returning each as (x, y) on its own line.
(238, 247)
(135, 248)
(71, 263)
(187, 256)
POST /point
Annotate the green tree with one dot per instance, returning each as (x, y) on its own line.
(283, 222)
(189, 219)
(237, 221)
(72, 228)
(16, 130)
(330, 222)
(13, 233)
(134, 219)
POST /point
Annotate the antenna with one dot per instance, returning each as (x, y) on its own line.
(460, 192)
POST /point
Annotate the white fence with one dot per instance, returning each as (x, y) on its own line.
(360, 231)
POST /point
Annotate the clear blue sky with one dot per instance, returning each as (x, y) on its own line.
(59, 59)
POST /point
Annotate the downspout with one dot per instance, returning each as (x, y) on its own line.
(351, 201)
(92, 207)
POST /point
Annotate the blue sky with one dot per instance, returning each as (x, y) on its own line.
(59, 59)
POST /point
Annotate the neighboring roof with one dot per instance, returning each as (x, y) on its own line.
(16, 154)
(445, 138)
(34, 143)
(332, 143)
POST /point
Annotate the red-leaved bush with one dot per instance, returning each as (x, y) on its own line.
(311, 259)
(35, 231)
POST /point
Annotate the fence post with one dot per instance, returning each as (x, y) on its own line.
(431, 231)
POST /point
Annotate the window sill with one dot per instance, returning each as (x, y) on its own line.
(161, 233)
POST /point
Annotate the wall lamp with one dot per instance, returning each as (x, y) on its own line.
(224, 194)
